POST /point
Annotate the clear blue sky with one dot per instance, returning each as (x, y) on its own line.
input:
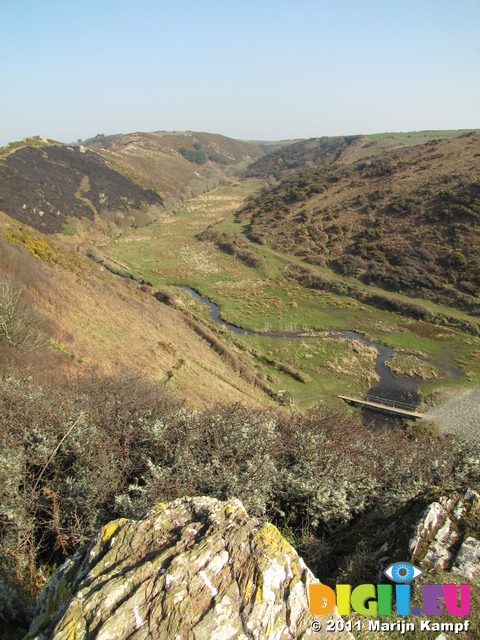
(250, 69)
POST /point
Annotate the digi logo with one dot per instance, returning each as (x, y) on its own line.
(376, 600)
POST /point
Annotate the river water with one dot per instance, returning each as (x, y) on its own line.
(392, 387)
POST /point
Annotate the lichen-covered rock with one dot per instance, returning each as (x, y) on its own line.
(467, 562)
(427, 523)
(442, 537)
(195, 569)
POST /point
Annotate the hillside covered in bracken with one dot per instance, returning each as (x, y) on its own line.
(407, 220)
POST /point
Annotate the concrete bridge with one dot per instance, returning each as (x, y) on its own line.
(395, 407)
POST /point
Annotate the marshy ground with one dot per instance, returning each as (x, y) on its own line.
(265, 298)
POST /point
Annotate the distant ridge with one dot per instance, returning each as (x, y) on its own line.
(167, 161)
(298, 155)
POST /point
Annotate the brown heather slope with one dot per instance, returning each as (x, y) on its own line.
(301, 155)
(407, 221)
(99, 320)
(160, 161)
(284, 159)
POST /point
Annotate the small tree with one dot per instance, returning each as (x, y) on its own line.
(19, 323)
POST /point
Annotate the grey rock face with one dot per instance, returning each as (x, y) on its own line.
(195, 569)
(467, 562)
(437, 541)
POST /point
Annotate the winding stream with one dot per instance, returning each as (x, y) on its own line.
(394, 387)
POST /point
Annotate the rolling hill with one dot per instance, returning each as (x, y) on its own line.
(48, 186)
(112, 182)
(407, 220)
(174, 164)
(341, 150)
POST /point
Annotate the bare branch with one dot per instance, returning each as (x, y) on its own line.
(19, 323)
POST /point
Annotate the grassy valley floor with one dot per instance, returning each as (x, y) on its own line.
(266, 298)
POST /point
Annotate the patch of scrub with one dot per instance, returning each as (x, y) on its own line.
(411, 365)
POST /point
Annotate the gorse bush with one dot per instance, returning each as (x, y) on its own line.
(78, 454)
(375, 218)
(232, 244)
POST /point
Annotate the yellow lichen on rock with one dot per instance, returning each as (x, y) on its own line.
(248, 589)
(57, 597)
(230, 511)
(201, 568)
(269, 537)
(71, 632)
(259, 592)
(109, 529)
(161, 506)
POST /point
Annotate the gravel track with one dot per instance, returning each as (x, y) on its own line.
(459, 415)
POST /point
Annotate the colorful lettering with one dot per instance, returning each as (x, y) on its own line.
(432, 594)
(322, 599)
(373, 600)
(450, 596)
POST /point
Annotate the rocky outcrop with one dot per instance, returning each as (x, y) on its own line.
(467, 562)
(443, 535)
(195, 569)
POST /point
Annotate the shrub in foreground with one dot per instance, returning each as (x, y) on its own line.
(76, 455)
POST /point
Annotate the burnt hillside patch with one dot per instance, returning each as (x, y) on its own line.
(41, 187)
